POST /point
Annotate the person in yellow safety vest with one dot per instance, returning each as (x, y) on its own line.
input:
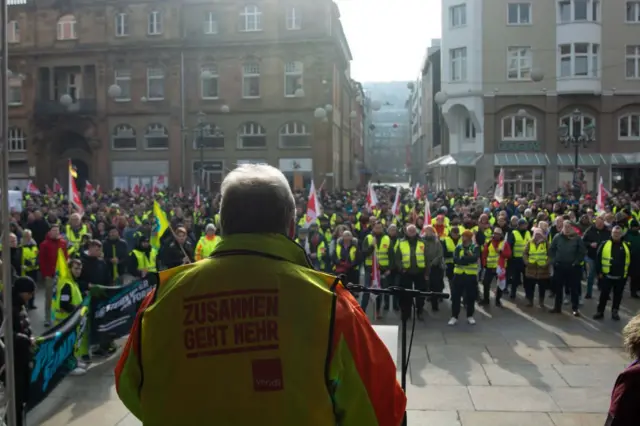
(450, 243)
(465, 280)
(612, 265)
(207, 243)
(68, 298)
(380, 243)
(411, 262)
(142, 259)
(29, 260)
(292, 340)
(392, 279)
(318, 250)
(346, 258)
(536, 260)
(495, 255)
(515, 270)
(74, 231)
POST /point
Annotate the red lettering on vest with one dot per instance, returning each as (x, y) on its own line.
(267, 375)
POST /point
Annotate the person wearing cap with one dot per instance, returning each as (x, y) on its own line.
(465, 280)
(411, 261)
(207, 242)
(495, 255)
(517, 239)
(632, 238)
(142, 259)
(537, 271)
(612, 265)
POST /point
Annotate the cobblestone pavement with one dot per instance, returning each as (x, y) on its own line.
(517, 366)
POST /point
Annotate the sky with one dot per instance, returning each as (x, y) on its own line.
(389, 38)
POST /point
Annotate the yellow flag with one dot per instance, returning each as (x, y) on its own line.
(159, 227)
(62, 268)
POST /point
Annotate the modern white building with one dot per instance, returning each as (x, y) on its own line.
(524, 81)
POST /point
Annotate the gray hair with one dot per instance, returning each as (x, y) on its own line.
(27, 232)
(256, 199)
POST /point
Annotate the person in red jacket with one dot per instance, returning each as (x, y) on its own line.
(48, 256)
(624, 409)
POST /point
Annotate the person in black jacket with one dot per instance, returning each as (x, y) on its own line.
(116, 254)
(592, 238)
(177, 252)
(612, 265)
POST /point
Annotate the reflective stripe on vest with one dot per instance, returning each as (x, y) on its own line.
(519, 241)
(76, 299)
(493, 255)
(451, 247)
(144, 262)
(29, 258)
(352, 252)
(538, 254)
(207, 246)
(471, 269)
(606, 258)
(405, 249)
(382, 251)
(73, 237)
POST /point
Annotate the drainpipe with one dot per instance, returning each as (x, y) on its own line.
(183, 138)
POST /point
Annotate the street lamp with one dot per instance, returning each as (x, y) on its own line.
(574, 135)
(66, 100)
(114, 91)
(201, 129)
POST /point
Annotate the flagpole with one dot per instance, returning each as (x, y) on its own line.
(10, 382)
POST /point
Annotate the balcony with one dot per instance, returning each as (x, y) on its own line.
(79, 107)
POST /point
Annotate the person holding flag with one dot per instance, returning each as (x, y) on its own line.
(378, 245)
(47, 258)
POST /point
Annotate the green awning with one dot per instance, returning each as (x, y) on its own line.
(525, 159)
(625, 159)
(584, 160)
(463, 159)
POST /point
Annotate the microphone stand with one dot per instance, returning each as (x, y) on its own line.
(406, 297)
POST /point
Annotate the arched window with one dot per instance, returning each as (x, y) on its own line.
(629, 127)
(123, 138)
(250, 18)
(251, 135)
(157, 137)
(294, 134)
(17, 140)
(67, 28)
(518, 127)
(212, 138)
(577, 123)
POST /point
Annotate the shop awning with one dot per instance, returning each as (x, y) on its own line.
(584, 160)
(625, 159)
(521, 159)
(463, 159)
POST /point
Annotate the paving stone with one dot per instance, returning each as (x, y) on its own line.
(601, 376)
(589, 356)
(577, 419)
(587, 339)
(521, 353)
(511, 398)
(582, 400)
(437, 397)
(87, 413)
(473, 337)
(461, 354)
(540, 377)
(494, 418)
(430, 418)
(425, 373)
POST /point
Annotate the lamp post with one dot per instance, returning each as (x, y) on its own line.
(199, 132)
(575, 135)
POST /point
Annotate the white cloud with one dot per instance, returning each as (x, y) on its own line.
(388, 38)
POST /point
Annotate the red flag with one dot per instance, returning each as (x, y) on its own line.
(180, 193)
(197, 199)
(158, 184)
(48, 190)
(475, 190)
(57, 188)
(74, 194)
(417, 192)
(395, 209)
(313, 206)
(372, 199)
(32, 188)
(136, 189)
(427, 215)
(98, 190)
(88, 188)
(602, 195)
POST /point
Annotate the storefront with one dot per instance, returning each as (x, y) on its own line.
(625, 171)
(298, 171)
(208, 174)
(452, 171)
(143, 174)
(589, 163)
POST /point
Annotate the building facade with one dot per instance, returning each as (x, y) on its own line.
(186, 91)
(517, 74)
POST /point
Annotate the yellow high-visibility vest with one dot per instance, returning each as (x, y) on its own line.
(493, 255)
(405, 249)
(382, 251)
(471, 269)
(144, 262)
(606, 258)
(538, 254)
(518, 243)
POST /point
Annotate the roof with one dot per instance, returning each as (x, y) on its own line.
(625, 159)
(521, 159)
(588, 160)
(464, 159)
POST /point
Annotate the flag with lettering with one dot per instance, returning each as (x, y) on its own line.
(499, 192)
(475, 190)
(32, 188)
(372, 198)
(395, 209)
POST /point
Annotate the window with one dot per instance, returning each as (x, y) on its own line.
(155, 84)
(469, 129)
(13, 32)
(210, 23)
(293, 19)
(579, 60)
(633, 61)
(17, 140)
(15, 90)
(516, 127)
(633, 12)
(251, 80)
(629, 127)
(155, 23)
(123, 138)
(212, 138)
(123, 79)
(250, 19)
(578, 10)
(252, 135)
(458, 60)
(576, 127)
(519, 13)
(67, 28)
(519, 61)
(458, 16)
(122, 25)
(157, 137)
(292, 78)
(294, 134)
(209, 82)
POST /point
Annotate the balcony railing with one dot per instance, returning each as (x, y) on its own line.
(79, 107)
